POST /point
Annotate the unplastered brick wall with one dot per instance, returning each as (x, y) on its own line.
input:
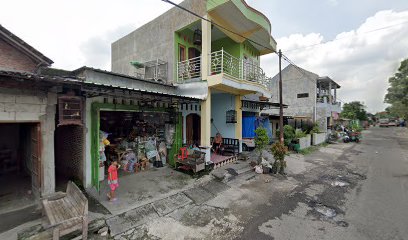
(13, 59)
(21, 105)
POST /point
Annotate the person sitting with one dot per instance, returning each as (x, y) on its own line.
(217, 143)
(195, 147)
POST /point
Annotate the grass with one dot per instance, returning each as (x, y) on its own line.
(312, 149)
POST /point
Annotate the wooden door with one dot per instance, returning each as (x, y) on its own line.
(36, 158)
(182, 53)
(189, 129)
(193, 129)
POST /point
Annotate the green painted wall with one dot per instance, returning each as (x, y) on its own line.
(229, 46)
(185, 38)
(178, 140)
(247, 49)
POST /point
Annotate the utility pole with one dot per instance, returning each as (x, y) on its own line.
(280, 99)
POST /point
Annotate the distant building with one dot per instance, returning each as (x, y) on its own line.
(309, 97)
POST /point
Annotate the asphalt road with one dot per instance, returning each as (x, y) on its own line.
(340, 191)
(380, 210)
(373, 204)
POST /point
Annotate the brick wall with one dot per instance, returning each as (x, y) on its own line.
(13, 59)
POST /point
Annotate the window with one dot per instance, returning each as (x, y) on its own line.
(303, 95)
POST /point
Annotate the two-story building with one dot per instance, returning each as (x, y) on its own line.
(210, 57)
(309, 97)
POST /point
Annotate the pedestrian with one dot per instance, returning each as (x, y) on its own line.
(113, 180)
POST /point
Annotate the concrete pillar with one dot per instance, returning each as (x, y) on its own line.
(330, 103)
(335, 95)
(205, 48)
(238, 125)
(47, 150)
(206, 124)
(330, 93)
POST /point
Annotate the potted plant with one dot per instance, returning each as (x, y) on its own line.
(318, 136)
(299, 135)
(261, 141)
(279, 151)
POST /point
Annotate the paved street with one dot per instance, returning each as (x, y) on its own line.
(373, 206)
(342, 191)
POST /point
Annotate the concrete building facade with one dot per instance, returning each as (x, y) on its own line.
(27, 113)
(201, 57)
(154, 40)
(308, 96)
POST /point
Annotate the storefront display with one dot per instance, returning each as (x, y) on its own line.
(136, 139)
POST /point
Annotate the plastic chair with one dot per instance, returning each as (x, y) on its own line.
(183, 154)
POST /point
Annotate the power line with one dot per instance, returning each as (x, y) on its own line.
(336, 39)
(250, 40)
(218, 25)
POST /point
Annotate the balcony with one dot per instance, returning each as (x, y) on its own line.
(323, 102)
(223, 63)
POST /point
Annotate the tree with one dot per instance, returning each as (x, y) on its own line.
(354, 110)
(397, 93)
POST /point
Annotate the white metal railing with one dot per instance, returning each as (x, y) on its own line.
(188, 69)
(223, 62)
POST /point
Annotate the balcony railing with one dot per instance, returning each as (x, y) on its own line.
(241, 69)
(223, 62)
(188, 69)
(325, 99)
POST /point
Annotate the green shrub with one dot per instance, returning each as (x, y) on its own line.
(356, 127)
(261, 139)
(279, 152)
(288, 134)
(315, 129)
(299, 134)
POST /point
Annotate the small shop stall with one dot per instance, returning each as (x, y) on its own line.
(138, 140)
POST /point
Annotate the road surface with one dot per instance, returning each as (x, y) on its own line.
(373, 206)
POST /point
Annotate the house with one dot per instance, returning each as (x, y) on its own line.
(310, 97)
(209, 57)
(27, 123)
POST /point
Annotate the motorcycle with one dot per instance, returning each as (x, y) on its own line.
(352, 136)
(345, 137)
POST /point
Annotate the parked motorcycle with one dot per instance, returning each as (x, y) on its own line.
(352, 136)
(345, 137)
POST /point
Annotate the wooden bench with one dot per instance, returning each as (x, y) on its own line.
(229, 145)
(67, 214)
(195, 162)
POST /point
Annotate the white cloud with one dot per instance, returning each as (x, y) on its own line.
(360, 60)
(75, 33)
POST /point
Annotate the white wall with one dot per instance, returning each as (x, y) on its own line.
(220, 104)
(187, 109)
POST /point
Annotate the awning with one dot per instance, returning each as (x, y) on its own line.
(263, 105)
(239, 17)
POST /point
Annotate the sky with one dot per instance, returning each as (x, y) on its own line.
(359, 44)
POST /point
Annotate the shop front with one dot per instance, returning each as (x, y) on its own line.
(138, 137)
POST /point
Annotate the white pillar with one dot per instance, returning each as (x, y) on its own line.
(206, 125)
(205, 48)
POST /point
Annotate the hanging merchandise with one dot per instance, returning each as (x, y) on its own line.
(163, 152)
(103, 136)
